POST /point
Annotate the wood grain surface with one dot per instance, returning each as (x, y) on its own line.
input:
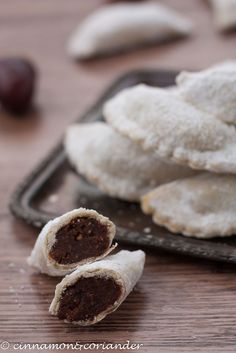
(180, 304)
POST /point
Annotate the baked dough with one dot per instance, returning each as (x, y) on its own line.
(125, 268)
(115, 164)
(203, 206)
(224, 12)
(212, 90)
(121, 26)
(41, 256)
(172, 128)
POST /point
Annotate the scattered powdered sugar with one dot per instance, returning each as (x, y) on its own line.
(12, 289)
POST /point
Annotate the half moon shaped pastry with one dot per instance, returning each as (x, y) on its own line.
(203, 206)
(77, 237)
(165, 124)
(121, 26)
(115, 164)
(224, 12)
(95, 290)
(212, 90)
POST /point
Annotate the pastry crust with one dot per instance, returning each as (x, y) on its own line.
(212, 90)
(125, 268)
(115, 164)
(172, 128)
(40, 257)
(121, 26)
(203, 206)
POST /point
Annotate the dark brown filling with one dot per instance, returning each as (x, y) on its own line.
(81, 238)
(87, 298)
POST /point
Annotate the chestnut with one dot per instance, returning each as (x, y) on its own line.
(17, 84)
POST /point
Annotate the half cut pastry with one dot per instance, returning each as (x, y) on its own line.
(203, 206)
(172, 128)
(77, 237)
(121, 26)
(115, 164)
(212, 90)
(95, 290)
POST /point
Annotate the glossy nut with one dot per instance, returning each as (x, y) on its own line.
(17, 84)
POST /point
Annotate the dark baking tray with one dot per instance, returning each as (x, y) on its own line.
(54, 188)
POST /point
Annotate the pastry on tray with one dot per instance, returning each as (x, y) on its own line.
(203, 206)
(115, 164)
(175, 130)
(212, 90)
(116, 27)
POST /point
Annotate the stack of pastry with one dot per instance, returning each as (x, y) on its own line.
(174, 151)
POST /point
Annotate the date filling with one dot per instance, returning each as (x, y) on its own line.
(87, 298)
(82, 238)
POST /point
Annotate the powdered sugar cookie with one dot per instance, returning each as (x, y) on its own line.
(212, 90)
(202, 206)
(116, 164)
(121, 26)
(172, 128)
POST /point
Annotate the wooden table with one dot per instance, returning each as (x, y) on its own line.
(181, 304)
